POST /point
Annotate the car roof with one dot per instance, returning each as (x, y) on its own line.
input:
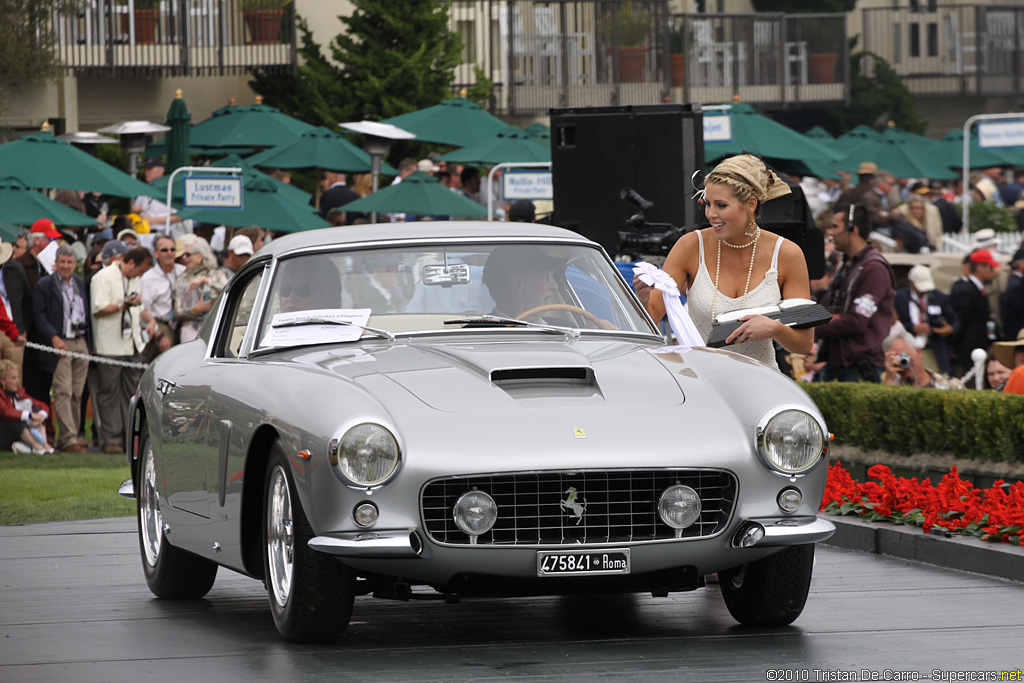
(440, 230)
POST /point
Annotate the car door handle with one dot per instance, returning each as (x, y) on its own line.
(165, 386)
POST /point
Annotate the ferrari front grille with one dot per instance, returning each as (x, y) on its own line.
(570, 508)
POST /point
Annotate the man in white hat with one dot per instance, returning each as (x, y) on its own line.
(239, 252)
(928, 315)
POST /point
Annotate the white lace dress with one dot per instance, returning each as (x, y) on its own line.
(766, 292)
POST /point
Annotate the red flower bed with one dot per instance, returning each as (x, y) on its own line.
(995, 514)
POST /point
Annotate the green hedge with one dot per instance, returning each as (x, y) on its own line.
(982, 425)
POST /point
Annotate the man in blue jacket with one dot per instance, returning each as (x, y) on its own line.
(61, 314)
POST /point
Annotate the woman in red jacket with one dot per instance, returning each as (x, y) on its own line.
(21, 416)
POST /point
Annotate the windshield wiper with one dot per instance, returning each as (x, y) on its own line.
(331, 321)
(501, 321)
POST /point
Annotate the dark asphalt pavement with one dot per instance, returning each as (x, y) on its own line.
(74, 607)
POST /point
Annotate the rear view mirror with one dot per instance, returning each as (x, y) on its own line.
(446, 276)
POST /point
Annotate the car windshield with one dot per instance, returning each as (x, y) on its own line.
(327, 297)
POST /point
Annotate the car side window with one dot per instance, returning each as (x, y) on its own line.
(239, 315)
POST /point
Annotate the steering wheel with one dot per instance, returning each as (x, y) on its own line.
(560, 307)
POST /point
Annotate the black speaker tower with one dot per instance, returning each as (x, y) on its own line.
(596, 152)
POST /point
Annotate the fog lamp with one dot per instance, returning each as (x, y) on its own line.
(475, 513)
(748, 535)
(679, 507)
(790, 499)
(365, 514)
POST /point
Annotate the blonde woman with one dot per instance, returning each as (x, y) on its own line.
(755, 267)
(197, 287)
(925, 216)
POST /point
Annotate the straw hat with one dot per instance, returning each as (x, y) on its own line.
(1004, 350)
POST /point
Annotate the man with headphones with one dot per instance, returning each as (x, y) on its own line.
(861, 302)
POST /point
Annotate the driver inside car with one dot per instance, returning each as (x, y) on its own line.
(521, 278)
(527, 284)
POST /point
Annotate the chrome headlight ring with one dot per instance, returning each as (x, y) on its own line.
(366, 455)
(790, 441)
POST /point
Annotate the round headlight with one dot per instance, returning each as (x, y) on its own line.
(368, 454)
(679, 506)
(792, 441)
(475, 513)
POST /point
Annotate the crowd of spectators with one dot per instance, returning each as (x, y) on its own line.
(915, 334)
(97, 305)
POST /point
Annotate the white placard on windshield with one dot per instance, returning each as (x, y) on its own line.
(304, 327)
(213, 193)
(717, 128)
(527, 185)
(1001, 134)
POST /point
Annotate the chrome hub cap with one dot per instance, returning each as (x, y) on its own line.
(280, 539)
(150, 519)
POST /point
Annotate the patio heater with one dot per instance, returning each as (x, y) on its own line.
(134, 135)
(87, 141)
(377, 139)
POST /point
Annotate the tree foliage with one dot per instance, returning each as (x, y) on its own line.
(395, 56)
(28, 51)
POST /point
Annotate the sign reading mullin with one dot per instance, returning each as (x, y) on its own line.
(213, 193)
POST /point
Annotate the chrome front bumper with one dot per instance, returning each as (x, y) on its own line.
(398, 544)
(767, 533)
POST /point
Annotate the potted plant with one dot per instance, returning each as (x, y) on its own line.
(627, 27)
(147, 19)
(263, 19)
(677, 45)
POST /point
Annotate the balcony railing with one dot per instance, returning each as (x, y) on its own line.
(177, 37)
(604, 52)
(953, 49)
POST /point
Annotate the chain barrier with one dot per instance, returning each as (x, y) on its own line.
(85, 356)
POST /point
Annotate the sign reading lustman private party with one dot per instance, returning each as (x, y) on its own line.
(213, 193)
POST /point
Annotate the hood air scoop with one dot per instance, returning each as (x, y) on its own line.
(573, 375)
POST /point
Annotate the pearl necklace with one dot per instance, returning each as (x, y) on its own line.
(750, 270)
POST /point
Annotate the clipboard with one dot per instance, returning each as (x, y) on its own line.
(798, 313)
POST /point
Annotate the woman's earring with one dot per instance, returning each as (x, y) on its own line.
(751, 228)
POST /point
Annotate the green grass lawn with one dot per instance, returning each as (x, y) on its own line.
(61, 486)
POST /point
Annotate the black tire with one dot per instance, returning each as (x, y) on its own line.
(171, 573)
(311, 594)
(771, 591)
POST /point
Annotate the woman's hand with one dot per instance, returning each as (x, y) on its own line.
(755, 328)
(199, 282)
(643, 291)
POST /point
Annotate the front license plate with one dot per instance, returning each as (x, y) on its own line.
(582, 563)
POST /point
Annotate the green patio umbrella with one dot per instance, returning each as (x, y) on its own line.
(41, 160)
(255, 125)
(263, 205)
(9, 231)
(949, 152)
(177, 139)
(318, 147)
(539, 131)
(458, 122)
(24, 206)
(896, 154)
(819, 133)
(418, 194)
(232, 161)
(510, 145)
(748, 131)
(921, 143)
(854, 137)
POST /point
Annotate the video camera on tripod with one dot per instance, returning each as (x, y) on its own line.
(645, 237)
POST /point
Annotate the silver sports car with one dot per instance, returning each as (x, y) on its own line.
(460, 409)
